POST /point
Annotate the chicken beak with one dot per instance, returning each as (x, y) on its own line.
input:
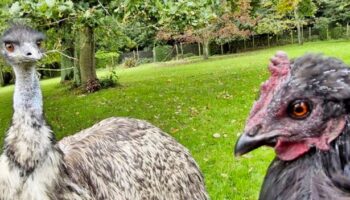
(247, 143)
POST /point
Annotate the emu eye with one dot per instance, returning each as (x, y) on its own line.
(38, 43)
(9, 46)
(299, 109)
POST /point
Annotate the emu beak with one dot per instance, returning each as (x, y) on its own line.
(31, 53)
(248, 142)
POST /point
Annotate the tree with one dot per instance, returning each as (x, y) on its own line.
(269, 21)
(333, 12)
(235, 23)
(297, 10)
(70, 18)
(179, 18)
(337, 11)
(140, 22)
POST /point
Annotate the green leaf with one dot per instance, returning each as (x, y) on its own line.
(70, 4)
(50, 3)
(15, 8)
(87, 14)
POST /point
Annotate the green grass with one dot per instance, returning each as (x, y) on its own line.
(190, 101)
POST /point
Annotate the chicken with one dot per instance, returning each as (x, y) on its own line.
(302, 112)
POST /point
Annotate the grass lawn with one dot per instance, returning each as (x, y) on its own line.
(190, 101)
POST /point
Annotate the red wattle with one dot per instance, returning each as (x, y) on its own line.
(288, 151)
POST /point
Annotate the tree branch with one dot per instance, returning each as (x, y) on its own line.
(60, 52)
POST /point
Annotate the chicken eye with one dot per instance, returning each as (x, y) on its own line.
(299, 109)
(9, 46)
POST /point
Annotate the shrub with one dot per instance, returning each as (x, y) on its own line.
(338, 32)
(112, 80)
(92, 85)
(130, 62)
(7, 75)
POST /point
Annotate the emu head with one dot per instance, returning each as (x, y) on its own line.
(21, 45)
(303, 105)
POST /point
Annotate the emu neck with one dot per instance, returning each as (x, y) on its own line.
(29, 140)
(27, 96)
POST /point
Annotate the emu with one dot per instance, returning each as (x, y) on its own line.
(117, 158)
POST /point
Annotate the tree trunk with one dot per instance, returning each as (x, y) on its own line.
(137, 53)
(347, 29)
(268, 40)
(299, 33)
(199, 49)
(253, 41)
(292, 36)
(181, 49)
(2, 81)
(309, 33)
(206, 49)
(66, 63)
(222, 49)
(302, 34)
(327, 32)
(298, 26)
(177, 52)
(154, 53)
(87, 55)
(245, 44)
(77, 77)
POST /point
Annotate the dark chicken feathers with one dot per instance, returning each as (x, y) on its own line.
(316, 175)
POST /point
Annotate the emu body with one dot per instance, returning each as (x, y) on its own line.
(118, 158)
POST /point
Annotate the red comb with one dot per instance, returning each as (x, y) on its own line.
(279, 68)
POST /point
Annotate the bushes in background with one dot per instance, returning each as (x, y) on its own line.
(130, 62)
(106, 59)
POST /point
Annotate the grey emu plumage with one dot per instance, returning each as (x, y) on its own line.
(118, 158)
(303, 112)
